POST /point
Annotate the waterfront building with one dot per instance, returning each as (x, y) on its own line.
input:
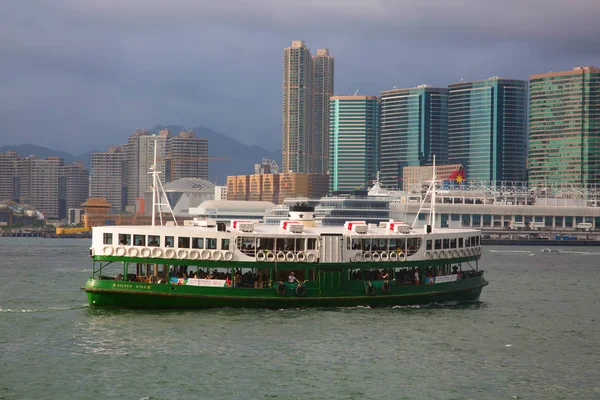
(414, 128)
(275, 188)
(74, 186)
(220, 192)
(353, 142)
(38, 184)
(223, 211)
(416, 177)
(108, 177)
(8, 167)
(266, 166)
(297, 102)
(564, 127)
(188, 157)
(487, 128)
(308, 82)
(322, 80)
(132, 166)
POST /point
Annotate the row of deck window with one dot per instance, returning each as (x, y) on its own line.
(452, 243)
(182, 242)
(407, 245)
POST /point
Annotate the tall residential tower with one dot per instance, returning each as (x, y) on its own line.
(487, 129)
(307, 87)
(564, 127)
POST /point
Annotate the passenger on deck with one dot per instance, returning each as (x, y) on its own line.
(123, 241)
(171, 272)
(385, 275)
(417, 276)
(438, 272)
(292, 278)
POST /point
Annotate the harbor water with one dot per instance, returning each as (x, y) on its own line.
(534, 334)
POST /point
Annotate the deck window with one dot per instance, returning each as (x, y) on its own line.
(468, 241)
(445, 244)
(429, 245)
(381, 244)
(356, 244)
(438, 244)
(224, 244)
(453, 243)
(311, 244)
(460, 243)
(169, 241)
(183, 242)
(197, 243)
(211, 243)
(107, 238)
(139, 240)
(269, 244)
(412, 245)
(153, 240)
(124, 239)
(299, 244)
(366, 244)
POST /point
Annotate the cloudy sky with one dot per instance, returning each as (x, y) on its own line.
(79, 75)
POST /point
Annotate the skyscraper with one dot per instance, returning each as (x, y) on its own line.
(74, 186)
(8, 167)
(414, 128)
(188, 156)
(307, 86)
(564, 127)
(38, 183)
(108, 177)
(487, 128)
(353, 142)
(323, 77)
(297, 107)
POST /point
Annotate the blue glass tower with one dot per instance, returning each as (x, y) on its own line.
(487, 129)
(414, 128)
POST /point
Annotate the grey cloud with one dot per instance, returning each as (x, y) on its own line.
(87, 73)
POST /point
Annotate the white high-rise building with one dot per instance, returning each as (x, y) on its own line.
(108, 177)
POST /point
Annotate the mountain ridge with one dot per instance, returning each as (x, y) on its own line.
(242, 157)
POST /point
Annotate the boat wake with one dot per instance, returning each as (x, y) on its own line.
(42, 310)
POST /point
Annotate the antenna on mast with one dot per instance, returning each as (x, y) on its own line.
(158, 195)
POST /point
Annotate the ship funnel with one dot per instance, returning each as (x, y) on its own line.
(303, 213)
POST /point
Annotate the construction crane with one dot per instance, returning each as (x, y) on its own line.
(170, 161)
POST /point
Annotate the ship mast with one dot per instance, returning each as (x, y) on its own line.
(430, 192)
(158, 192)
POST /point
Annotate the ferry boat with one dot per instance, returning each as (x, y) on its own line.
(296, 264)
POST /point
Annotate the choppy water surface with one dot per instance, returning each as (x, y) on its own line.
(533, 335)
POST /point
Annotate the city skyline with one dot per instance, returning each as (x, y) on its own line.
(91, 74)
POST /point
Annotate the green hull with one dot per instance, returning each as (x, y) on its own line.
(109, 293)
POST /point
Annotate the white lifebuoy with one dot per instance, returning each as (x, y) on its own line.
(281, 256)
(182, 254)
(402, 256)
(455, 253)
(479, 250)
(145, 252)
(217, 255)
(289, 256)
(358, 257)
(375, 257)
(384, 256)
(270, 256)
(427, 255)
(300, 256)
(435, 255)
(367, 256)
(228, 256)
(108, 250)
(442, 254)
(205, 254)
(311, 257)
(156, 252)
(393, 256)
(194, 254)
(260, 256)
(121, 251)
(461, 253)
(169, 253)
(132, 252)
